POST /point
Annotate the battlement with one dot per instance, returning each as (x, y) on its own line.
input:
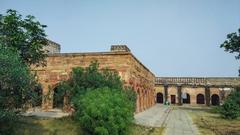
(120, 48)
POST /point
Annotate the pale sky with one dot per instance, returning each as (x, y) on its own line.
(170, 37)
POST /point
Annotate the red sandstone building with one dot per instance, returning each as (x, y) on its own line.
(132, 72)
(149, 89)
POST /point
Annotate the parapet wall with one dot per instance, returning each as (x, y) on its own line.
(199, 81)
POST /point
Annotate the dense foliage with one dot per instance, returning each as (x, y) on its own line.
(88, 78)
(232, 44)
(231, 107)
(25, 35)
(16, 85)
(105, 111)
(103, 106)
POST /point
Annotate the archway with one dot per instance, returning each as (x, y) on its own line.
(186, 100)
(57, 99)
(215, 99)
(200, 99)
(39, 92)
(159, 98)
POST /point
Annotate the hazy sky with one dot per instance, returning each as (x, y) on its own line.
(170, 37)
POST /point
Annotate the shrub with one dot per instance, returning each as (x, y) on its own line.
(102, 104)
(230, 109)
(235, 95)
(105, 111)
(90, 78)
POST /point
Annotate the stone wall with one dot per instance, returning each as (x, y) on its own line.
(132, 72)
(210, 88)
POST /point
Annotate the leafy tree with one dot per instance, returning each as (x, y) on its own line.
(232, 44)
(25, 35)
(105, 111)
(16, 86)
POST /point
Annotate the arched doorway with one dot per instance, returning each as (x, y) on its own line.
(159, 97)
(215, 99)
(38, 91)
(57, 99)
(186, 100)
(200, 99)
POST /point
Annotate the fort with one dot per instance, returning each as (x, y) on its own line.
(149, 88)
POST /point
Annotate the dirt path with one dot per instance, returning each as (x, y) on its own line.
(175, 120)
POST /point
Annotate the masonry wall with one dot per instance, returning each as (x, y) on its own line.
(143, 82)
(132, 73)
(193, 91)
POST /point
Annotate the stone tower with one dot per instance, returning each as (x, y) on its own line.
(52, 47)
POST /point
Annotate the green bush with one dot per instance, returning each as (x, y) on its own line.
(83, 79)
(103, 106)
(105, 111)
(7, 119)
(235, 95)
(231, 107)
(91, 77)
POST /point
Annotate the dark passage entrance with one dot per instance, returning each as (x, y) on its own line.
(159, 98)
(187, 99)
(39, 91)
(200, 99)
(57, 99)
(173, 99)
(215, 99)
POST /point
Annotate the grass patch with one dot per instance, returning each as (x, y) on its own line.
(211, 123)
(67, 126)
(142, 130)
(50, 126)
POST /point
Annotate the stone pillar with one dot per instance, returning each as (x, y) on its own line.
(166, 92)
(207, 95)
(179, 91)
(47, 98)
(140, 100)
(137, 102)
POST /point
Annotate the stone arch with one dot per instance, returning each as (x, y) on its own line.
(200, 99)
(159, 97)
(39, 91)
(187, 100)
(215, 100)
(58, 101)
